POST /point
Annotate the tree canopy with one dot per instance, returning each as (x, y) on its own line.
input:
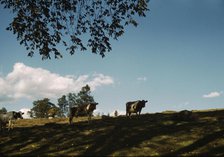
(45, 25)
(63, 105)
(83, 97)
(41, 107)
(44, 108)
(3, 110)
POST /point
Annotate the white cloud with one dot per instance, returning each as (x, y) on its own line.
(212, 95)
(26, 114)
(35, 83)
(142, 78)
(100, 79)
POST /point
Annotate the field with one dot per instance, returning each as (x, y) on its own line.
(158, 134)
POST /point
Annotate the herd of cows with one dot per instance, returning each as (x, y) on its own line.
(82, 110)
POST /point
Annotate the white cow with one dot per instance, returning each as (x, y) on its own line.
(8, 118)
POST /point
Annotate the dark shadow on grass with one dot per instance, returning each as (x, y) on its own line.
(202, 142)
(99, 138)
(217, 151)
(128, 133)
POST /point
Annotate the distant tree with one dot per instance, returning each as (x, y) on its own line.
(63, 106)
(84, 96)
(45, 25)
(72, 99)
(31, 113)
(41, 107)
(54, 111)
(115, 113)
(3, 110)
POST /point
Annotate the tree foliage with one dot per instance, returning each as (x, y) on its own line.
(54, 111)
(3, 110)
(84, 96)
(42, 108)
(44, 25)
(63, 105)
(72, 99)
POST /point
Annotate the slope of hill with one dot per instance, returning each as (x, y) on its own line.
(147, 135)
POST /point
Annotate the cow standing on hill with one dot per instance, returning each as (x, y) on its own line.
(82, 110)
(9, 117)
(135, 107)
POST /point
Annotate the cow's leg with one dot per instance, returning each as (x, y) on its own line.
(139, 113)
(89, 117)
(10, 124)
(3, 126)
(126, 113)
(70, 120)
(129, 114)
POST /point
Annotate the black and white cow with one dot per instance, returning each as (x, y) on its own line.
(135, 107)
(8, 118)
(82, 110)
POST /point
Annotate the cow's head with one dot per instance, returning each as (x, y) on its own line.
(18, 115)
(143, 102)
(92, 106)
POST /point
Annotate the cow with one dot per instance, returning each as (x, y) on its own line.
(9, 117)
(82, 110)
(135, 107)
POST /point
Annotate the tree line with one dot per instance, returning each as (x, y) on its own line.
(44, 108)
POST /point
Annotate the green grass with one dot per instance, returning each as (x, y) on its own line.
(157, 134)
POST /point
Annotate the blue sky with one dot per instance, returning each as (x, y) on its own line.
(174, 59)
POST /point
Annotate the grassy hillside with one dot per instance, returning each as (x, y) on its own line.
(147, 135)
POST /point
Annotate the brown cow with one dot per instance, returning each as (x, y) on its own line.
(82, 110)
(135, 107)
